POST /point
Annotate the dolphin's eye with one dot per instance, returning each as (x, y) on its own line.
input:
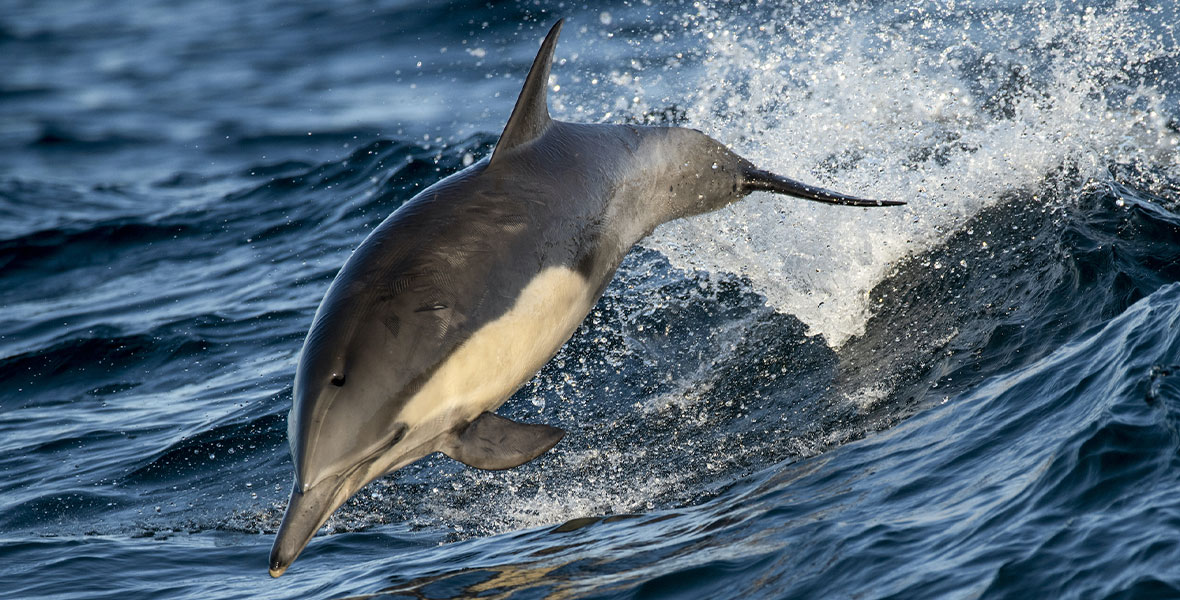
(338, 380)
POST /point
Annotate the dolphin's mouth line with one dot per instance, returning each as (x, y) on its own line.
(379, 449)
(369, 458)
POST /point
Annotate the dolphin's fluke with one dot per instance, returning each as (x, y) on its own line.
(492, 442)
(757, 180)
(530, 116)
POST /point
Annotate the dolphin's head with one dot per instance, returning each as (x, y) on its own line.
(344, 407)
(345, 425)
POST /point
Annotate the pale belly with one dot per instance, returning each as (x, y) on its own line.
(503, 354)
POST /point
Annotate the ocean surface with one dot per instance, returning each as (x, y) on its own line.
(976, 395)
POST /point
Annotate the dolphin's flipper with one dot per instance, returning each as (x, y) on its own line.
(530, 117)
(493, 443)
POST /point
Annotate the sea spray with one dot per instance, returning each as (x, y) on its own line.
(909, 106)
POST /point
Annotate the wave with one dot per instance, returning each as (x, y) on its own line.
(1014, 283)
(774, 400)
(871, 105)
(62, 249)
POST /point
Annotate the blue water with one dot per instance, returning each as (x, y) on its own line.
(976, 396)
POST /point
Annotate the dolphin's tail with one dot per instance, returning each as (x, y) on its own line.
(757, 180)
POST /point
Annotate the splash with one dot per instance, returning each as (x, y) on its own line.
(952, 116)
(949, 106)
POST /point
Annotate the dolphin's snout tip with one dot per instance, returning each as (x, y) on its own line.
(306, 513)
(277, 566)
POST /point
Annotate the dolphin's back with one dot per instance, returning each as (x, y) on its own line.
(473, 241)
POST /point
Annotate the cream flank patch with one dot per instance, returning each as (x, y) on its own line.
(503, 354)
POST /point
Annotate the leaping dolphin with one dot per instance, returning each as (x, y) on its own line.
(469, 288)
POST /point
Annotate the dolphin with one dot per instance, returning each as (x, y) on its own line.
(469, 288)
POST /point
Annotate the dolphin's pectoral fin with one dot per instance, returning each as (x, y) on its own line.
(492, 442)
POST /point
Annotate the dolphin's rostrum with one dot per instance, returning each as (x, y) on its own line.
(466, 290)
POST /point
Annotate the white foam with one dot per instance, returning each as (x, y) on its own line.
(908, 122)
(519, 499)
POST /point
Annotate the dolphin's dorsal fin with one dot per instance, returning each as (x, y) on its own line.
(530, 117)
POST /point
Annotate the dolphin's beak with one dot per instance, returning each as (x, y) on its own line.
(306, 513)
